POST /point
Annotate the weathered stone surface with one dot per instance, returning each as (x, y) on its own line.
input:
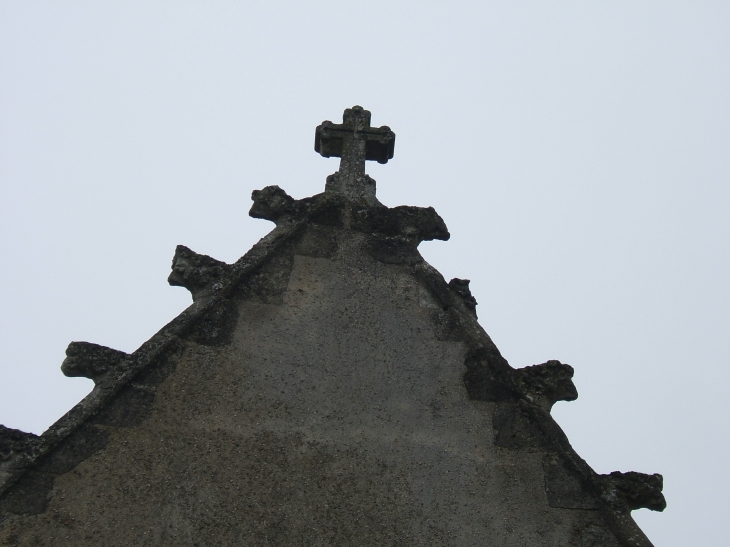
(152, 376)
(82, 443)
(634, 490)
(597, 536)
(355, 142)
(216, 326)
(461, 287)
(333, 390)
(411, 224)
(564, 485)
(130, 407)
(331, 139)
(547, 383)
(14, 442)
(92, 361)
(331, 416)
(488, 377)
(414, 224)
(272, 203)
(28, 496)
(316, 242)
(202, 275)
(268, 283)
(524, 426)
(17, 448)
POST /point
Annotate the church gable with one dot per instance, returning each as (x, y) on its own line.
(328, 388)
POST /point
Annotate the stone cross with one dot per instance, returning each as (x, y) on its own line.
(354, 141)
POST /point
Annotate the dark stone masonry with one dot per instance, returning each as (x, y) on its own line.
(329, 388)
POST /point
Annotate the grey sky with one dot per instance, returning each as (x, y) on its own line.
(577, 151)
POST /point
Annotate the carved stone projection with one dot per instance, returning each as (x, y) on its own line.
(328, 388)
(461, 287)
(272, 203)
(546, 384)
(92, 361)
(200, 274)
(634, 490)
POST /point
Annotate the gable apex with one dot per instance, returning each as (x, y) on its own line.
(329, 387)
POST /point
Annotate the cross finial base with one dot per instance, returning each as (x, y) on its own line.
(353, 187)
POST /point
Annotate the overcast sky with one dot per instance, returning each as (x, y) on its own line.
(577, 151)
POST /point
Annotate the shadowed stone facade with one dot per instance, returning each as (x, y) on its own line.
(328, 389)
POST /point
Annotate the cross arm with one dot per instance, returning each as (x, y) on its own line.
(330, 138)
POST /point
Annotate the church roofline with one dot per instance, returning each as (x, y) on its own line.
(524, 396)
